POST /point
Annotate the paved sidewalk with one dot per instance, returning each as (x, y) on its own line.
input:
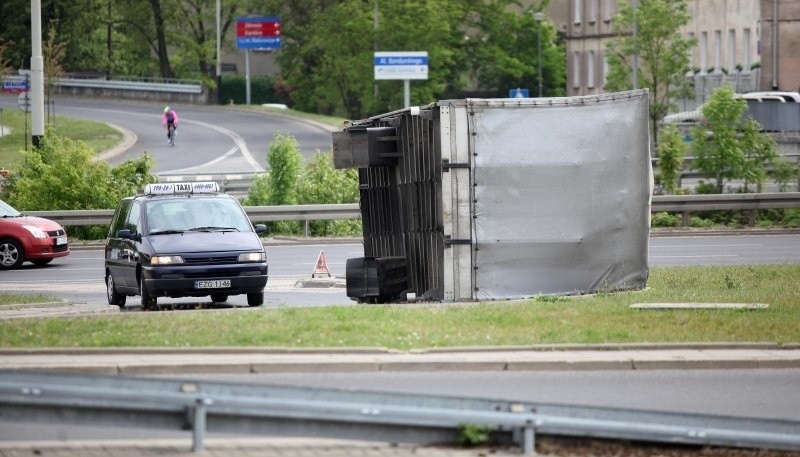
(138, 361)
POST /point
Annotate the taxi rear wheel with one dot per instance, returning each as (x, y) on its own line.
(148, 302)
(114, 298)
(256, 299)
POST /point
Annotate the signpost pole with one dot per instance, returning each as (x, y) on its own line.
(406, 93)
(247, 74)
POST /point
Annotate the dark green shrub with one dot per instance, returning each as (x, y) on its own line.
(698, 222)
(665, 220)
(234, 89)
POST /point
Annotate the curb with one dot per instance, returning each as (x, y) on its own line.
(161, 361)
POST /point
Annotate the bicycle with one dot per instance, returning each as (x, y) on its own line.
(171, 134)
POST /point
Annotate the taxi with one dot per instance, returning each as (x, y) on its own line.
(183, 240)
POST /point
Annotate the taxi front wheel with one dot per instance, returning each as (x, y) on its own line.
(148, 302)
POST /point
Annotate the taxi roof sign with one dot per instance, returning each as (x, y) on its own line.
(200, 187)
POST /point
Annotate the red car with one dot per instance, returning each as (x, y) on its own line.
(29, 238)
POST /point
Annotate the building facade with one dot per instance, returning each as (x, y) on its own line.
(736, 43)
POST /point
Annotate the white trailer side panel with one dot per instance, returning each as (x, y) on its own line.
(562, 192)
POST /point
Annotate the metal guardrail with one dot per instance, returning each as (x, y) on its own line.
(185, 88)
(684, 204)
(396, 417)
(255, 213)
(138, 84)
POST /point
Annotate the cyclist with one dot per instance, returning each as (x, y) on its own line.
(169, 119)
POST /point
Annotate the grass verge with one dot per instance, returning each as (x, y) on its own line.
(601, 318)
(97, 135)
(21, 299)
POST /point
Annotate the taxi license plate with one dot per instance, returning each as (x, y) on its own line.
(61, 240)
(216, 284)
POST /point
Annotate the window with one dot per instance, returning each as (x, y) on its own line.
(608, 10)
(576, 69)
(132, 221)
(605, 70)
(746, 49)
(592, 11)
(731, 50)
(717, 50)
(703, 52)
(590, 70)
(576, 11)
(120, 218)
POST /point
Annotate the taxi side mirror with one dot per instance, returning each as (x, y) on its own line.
(127, 235)
(260, 228)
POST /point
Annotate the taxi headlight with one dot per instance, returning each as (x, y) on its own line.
(166, 259)
(252, 257)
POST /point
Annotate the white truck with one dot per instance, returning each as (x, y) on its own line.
(493, 199)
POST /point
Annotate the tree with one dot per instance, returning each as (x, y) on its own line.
(728, 147)
(329, 75)
(671, 151)
(5, 63)
(662, 54)
(504, 52)
(53, 52)
(784, 172)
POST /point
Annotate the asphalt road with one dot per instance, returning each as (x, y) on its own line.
(211, 139)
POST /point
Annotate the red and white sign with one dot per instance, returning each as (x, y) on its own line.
(258, 33)
(321, 267)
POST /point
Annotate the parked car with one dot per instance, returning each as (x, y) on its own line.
(183, 240)
(29, 238)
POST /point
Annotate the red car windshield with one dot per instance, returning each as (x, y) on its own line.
(7, 210)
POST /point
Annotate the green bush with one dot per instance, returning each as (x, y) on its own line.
(62, 175)
(705, 188)
(322, 183)
(699, 222)
(791, 217)
(288, 181)
(665, 220)
(234, 89)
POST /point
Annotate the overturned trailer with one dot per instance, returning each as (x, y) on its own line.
(488, 199)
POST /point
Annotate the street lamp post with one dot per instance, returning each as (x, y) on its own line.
(539, 16)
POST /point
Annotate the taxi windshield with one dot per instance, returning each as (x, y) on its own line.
(195, 214)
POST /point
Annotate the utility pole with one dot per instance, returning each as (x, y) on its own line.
(635, 47)
(219, 54)
(37, 75)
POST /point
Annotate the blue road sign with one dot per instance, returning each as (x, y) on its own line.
(518, 93)
(15, 87)
(401, 65)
